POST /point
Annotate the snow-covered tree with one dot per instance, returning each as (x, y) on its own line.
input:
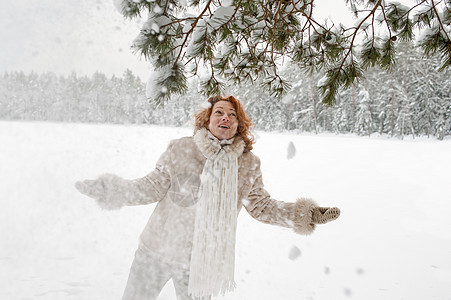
(364, 119)
(404, 123)
(429, 89)
(413, 98)
(301, 103)
(439, 107)
(343, 116)
(448, 117)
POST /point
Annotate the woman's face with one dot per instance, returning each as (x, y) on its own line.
(223, 121)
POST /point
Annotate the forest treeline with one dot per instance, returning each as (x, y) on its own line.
(412, 99)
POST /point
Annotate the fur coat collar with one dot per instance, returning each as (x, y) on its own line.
(211, 147)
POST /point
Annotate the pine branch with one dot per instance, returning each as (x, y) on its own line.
(440, 21)
(336, 80)
(248, 40)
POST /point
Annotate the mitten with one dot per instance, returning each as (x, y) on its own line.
(108, 190)
(322, 215)
(307, 214)
(91, 188)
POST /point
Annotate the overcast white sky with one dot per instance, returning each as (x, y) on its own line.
(64, 36)
(80, 35)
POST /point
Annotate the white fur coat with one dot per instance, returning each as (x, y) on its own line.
(174, 185)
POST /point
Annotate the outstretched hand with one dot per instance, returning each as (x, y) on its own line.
(323, 215)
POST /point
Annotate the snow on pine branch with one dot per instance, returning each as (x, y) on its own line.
(241, 40)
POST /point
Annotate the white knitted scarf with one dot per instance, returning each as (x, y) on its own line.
(213, 255)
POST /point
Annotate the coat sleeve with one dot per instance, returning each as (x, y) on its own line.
(148, 189)
(260, 205)
(154, 186)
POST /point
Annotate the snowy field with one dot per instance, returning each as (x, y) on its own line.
(392, 241)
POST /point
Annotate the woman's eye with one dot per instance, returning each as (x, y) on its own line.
(218, 112)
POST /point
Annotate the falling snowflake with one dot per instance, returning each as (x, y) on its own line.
(294, 253)
(291, 150)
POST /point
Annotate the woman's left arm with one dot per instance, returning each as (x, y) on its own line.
(301, 216)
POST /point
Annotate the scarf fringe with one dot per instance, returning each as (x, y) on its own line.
(212, 264)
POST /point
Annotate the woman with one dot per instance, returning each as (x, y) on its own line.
(200, 184)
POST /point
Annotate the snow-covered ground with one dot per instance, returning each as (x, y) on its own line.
(392, 241)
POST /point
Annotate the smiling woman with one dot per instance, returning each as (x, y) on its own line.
(200, 184)
(223, 122)
(225, 117)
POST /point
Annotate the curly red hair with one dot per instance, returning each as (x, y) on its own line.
(202, 119)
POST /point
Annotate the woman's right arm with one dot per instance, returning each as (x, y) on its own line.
(113, 192)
